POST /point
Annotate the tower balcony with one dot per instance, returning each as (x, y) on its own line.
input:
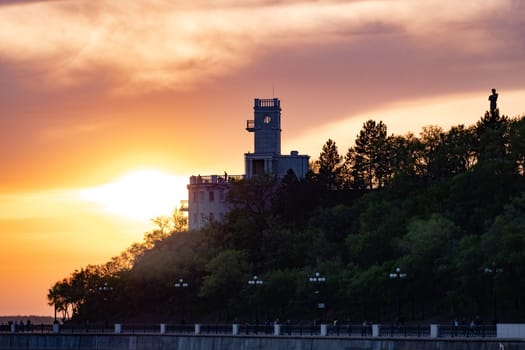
(250, 125)
(267, 103)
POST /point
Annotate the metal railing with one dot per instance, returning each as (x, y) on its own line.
(267, 103)
(479, 331)
(263, 329)
(216, 329)
(392, 330)
(76, 328)
(214, 179)
(26, 328)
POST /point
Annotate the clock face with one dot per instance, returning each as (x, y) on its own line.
(267, 119)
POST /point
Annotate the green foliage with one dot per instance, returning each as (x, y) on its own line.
(516, 149)
(225, 275)
(277, 295)
(404, 151)
(428, 249)
(328, 167)
(177, 222)
(295, 200)
(254, 196)
(368, 163)
(452, 153)
(442, 206)
(504, 244)
(492, 137)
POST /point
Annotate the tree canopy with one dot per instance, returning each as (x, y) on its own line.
(442, 207)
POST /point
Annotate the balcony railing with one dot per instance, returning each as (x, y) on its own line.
(267, 103)
(250, 125)
(214, 179)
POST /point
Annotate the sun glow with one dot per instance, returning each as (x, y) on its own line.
(140, 195)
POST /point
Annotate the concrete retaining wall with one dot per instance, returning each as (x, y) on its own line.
(510, 330)
(172, 342)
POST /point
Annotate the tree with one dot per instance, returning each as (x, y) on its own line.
(504, 243)
(429, 248)
(369, 160)
(180, 220)
(380, 223)
(294, 200)
(226, 275)
(430, 140)
(427, 205)
(332, 225)
(78, 292)
(329, 167)
(404, 153)
(352, 176)
(457, 150)
(368, 289)
(177, 222)
(492, 134)
(278, 293)
(468, 264)
(58, 297)
(254, 196)
(446, 154)
(517, 145)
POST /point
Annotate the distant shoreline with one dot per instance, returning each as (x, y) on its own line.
(34, 319)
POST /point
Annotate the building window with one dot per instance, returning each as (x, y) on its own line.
(211, 196)
(202, 195)
(194, 195)
(221, 195)
(211, 217)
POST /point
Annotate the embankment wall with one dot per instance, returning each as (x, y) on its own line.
(205, 342)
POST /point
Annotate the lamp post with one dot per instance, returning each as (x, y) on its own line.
(493, 270)
(316, 280)
(105, 289)
(182, 285)
(256, 282)
(398, 275)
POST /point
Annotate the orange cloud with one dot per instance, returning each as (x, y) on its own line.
(146, 45)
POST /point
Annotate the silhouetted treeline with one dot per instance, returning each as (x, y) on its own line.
(446, 207)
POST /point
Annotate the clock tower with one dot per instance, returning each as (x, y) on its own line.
(267, 158)
(266, 126)
(207, 194)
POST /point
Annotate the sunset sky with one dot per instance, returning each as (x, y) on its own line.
(108, 106)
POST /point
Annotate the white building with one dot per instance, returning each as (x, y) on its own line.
(206, 194)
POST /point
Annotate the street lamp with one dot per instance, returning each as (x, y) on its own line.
(398, 275)
(256, 282)
(317, 280)
(105, 289)
(182, 285)
(493, 270)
